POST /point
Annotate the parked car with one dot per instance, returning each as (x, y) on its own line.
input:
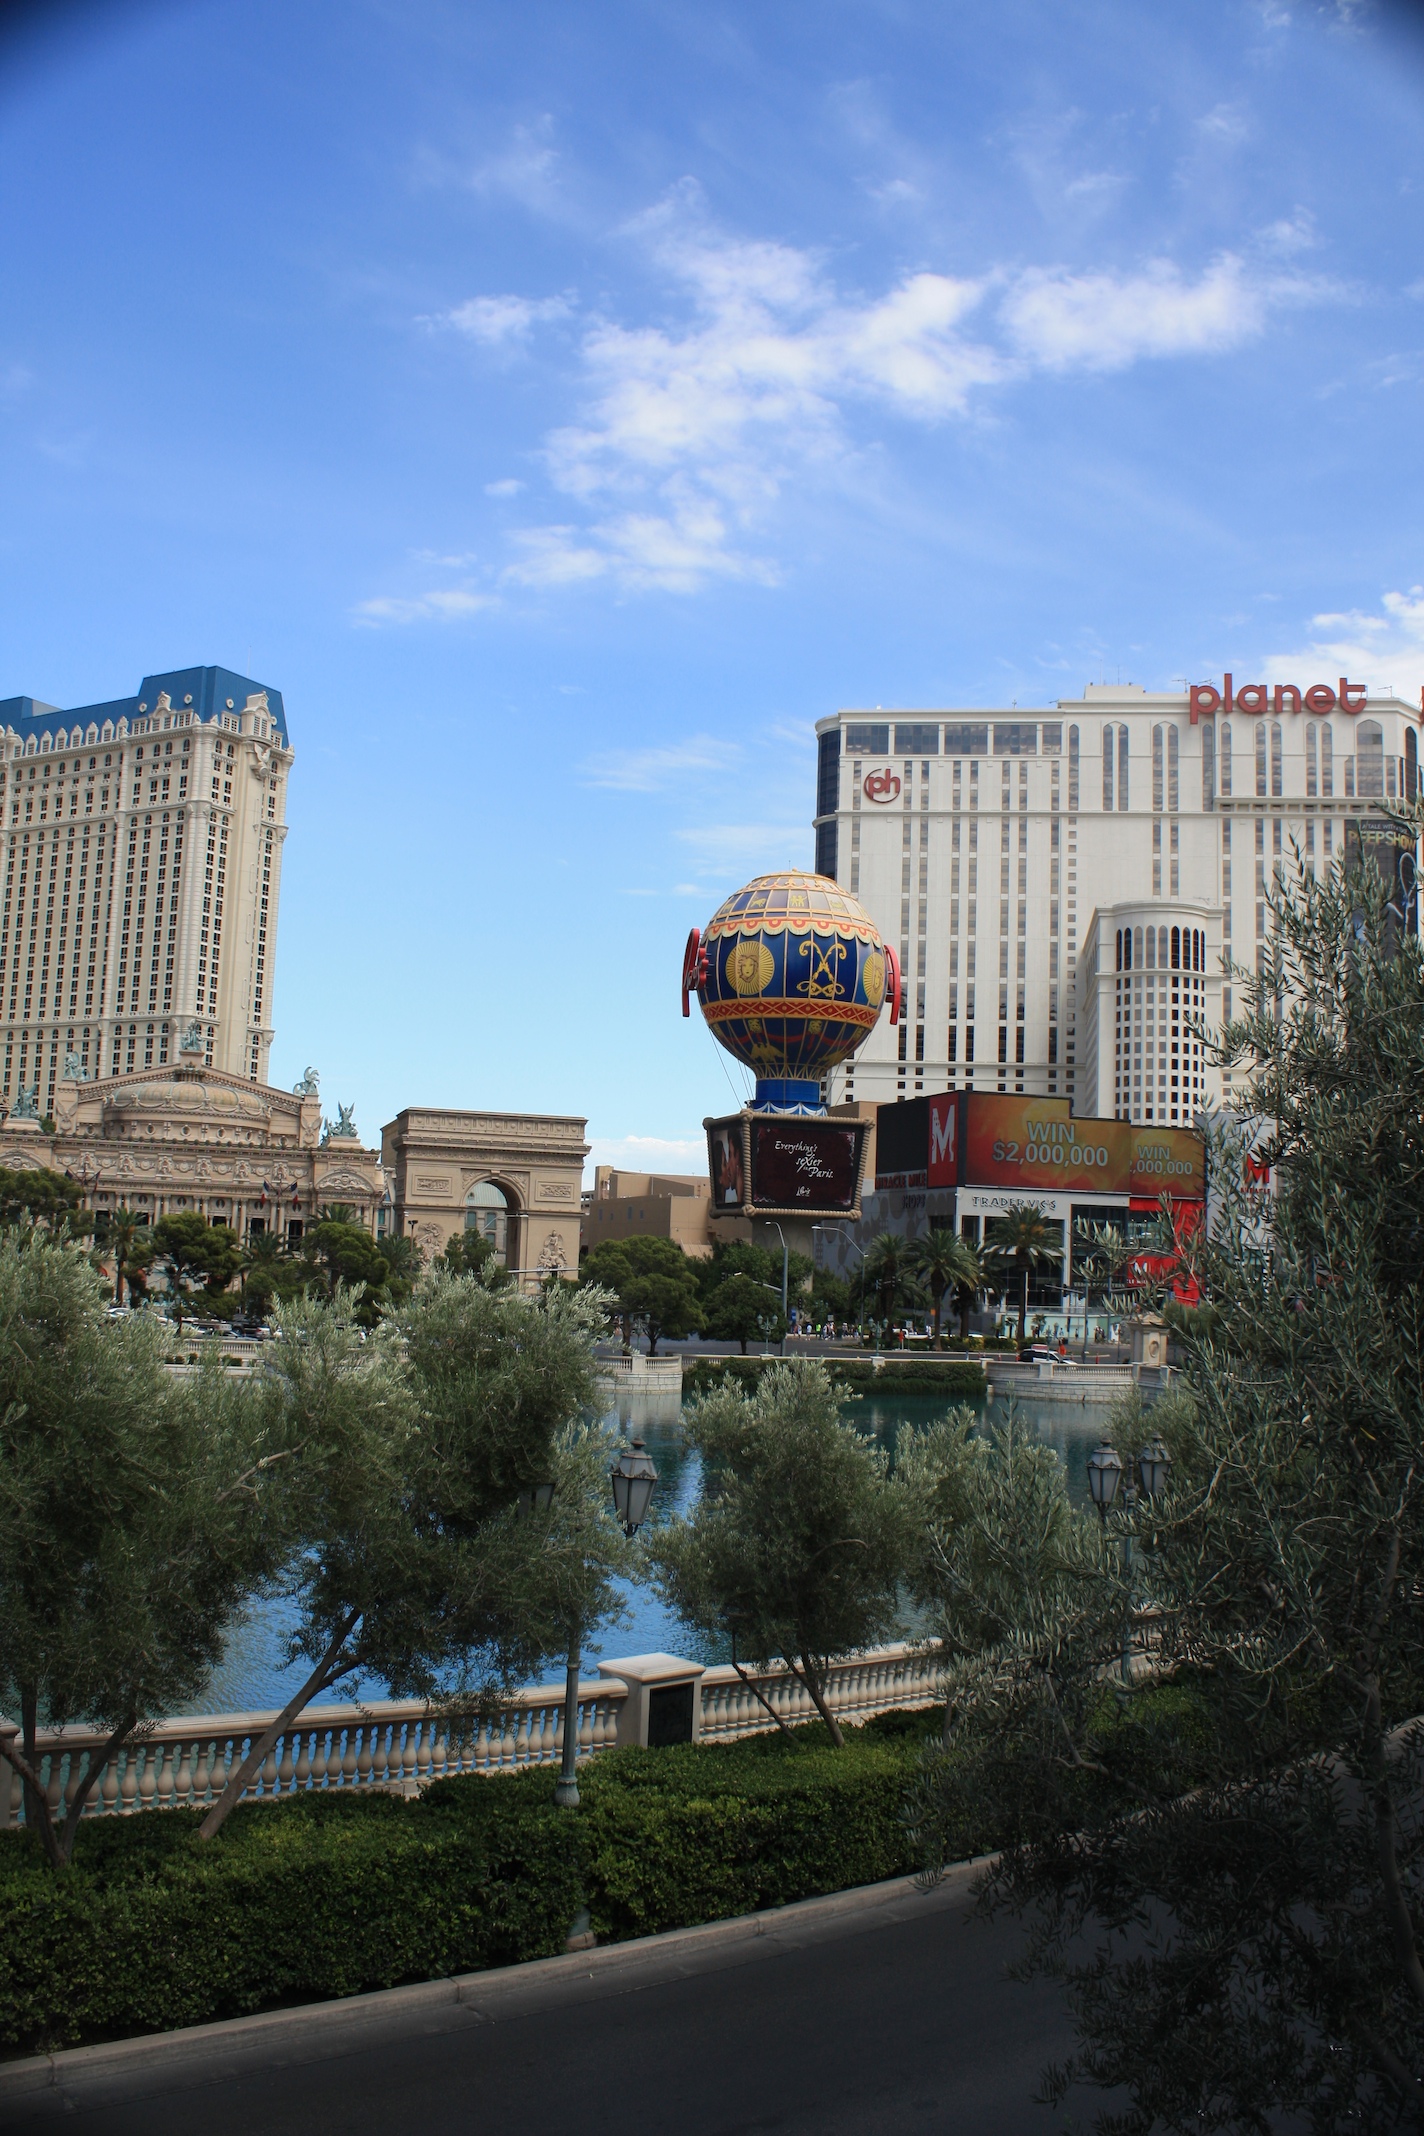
(1042, 1353)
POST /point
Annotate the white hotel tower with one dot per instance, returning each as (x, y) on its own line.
(142, 852)
(1062, 887)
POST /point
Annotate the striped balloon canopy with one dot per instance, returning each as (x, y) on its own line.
(791, 975)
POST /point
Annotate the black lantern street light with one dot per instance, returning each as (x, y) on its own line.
(537, 1499)
(1153, 1467)
(1104, 1478)
(634, 1480)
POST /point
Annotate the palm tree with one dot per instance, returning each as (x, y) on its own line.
(969, 1280)
(888, 1271)
(939, 1262)
(1105, 1255)
(126, 1240)
(1023, 1237)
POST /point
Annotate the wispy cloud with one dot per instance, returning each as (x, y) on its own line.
(648, 771)
(689, 430)
(1104, 322)
(648, 1153)
(493, 321)
(442, 604)
(1385, 648)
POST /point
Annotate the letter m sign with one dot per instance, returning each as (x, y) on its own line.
(943, 1168)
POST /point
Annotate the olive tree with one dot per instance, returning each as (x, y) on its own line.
(413, 1447)
(1238, 1826)
(796, 1546)
(138, 1510)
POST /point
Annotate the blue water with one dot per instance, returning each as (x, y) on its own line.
(252, 1678)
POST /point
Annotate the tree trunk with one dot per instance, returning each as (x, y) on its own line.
(321, 1678)
(813, 1684)
(1023, 1310)
(938, 1317)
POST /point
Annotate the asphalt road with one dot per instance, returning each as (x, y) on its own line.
(888, 2015)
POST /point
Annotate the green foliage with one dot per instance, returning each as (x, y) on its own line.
(191, 1248)
(890, 1276)
(470, 1253)
(743, 1310)
(833, 1298)
(1267, 1826)
(39, 1197)
(1023, 1236)
(323, 1895)
(796, 1547)
(955, 1379)
(738, 1257)
(412, 1445)
(137, 1510)
(653, 1283)
(331, 1894)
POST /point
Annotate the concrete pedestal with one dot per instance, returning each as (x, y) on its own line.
(663, 1703)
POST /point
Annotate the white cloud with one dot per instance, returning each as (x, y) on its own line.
(509, 486)
(648, 771)
(493, 321)
(444, 604)
(1385, 649)
(690, 427)
(526, 168)
(1292, 233)
(1104, 322)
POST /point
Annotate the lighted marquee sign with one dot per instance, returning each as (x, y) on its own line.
(1205, 700)
(961, 1138)
(774, 1165)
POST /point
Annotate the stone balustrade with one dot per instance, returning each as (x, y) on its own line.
(400, 1744)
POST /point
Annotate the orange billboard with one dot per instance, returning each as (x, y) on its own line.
(1034, 1145)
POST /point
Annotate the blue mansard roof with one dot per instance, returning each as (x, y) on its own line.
(207, 692)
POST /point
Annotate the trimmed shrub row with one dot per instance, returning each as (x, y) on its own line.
(956, 1378)
(328, 1895)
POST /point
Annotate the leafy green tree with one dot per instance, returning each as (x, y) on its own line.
(969, 1281)
(411, 1446)
(740, 1310)
(42, 1196)
(1023, 1236)
(796, 1547)
(738, 1257)
(190, 1247)
(470, 1253)
(138, 1511)
(1238, 1823)
(832, 1297)
(652, 1282)
(264, 1269)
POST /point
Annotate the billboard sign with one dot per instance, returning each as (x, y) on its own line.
(811, 1165)
(785, 1165)
(1032, 1146)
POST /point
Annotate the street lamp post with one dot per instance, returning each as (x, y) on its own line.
(854, 1249)
(1106, 1474)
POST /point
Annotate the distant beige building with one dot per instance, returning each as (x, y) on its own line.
(515, 1177)
(188, 1137)
(654, 1205)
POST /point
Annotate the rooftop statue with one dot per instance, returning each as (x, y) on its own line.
(342, 1129)
(26, 1105)
(192, 1038)
(74, 1069)
(309, 1086)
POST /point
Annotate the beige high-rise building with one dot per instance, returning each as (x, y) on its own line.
(1065, 887)
(142, 851)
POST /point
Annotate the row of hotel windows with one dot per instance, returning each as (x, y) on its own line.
(1159, 1061)
(1179, 948)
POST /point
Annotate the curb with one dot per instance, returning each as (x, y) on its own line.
(123, 2070)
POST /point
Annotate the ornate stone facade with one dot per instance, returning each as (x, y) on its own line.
(194, 1138)
(515, 1176)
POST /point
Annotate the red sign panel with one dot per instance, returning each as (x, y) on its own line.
(1204, 699)
(946, 1138)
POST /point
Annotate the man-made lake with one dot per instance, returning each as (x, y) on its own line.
(253, 1678)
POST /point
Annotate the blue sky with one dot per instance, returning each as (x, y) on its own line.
(566, 406)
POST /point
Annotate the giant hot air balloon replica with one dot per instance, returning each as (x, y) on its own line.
(791, 976)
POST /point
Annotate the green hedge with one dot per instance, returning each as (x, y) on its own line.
(328, 1895)
(956, 1378)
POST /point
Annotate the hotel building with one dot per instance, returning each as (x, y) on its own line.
(1063, 887)
(142, 858)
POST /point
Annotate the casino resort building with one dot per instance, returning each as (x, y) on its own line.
(1064, 887)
